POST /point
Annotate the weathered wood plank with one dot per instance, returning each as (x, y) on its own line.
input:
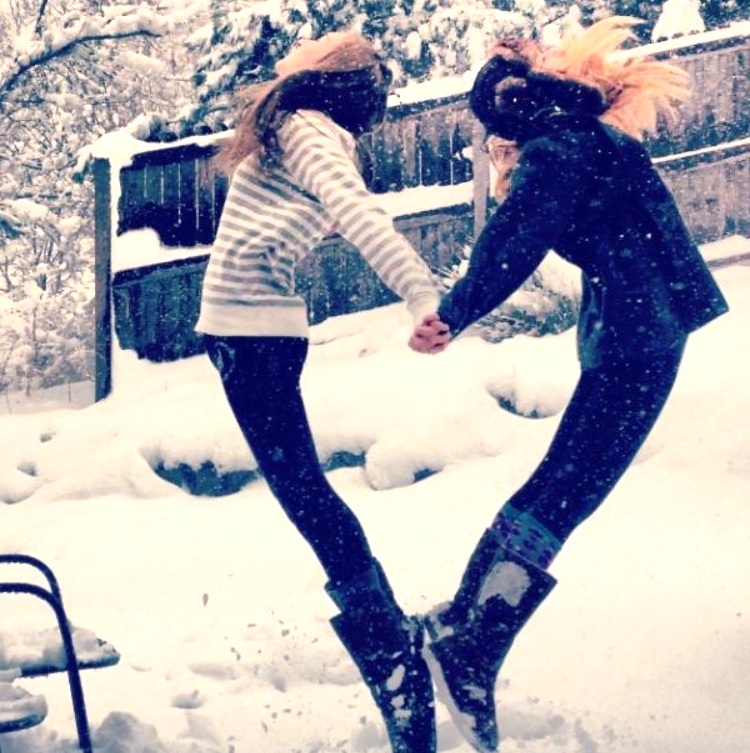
(102, 275)
(206, 209)
(188, 212)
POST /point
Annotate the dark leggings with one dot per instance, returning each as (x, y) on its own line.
(261, 378)
(612, 410)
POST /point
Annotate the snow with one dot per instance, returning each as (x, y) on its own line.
(117, 20)
(119, 146)
(16, 703)
(706, 150)
(21, 650)
(736, 29)
(413, 45)
(506, 579)
(217, 605)
(28, 210)
(139, 248)
(143, 63)
(677, 18)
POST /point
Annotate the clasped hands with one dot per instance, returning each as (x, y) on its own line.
(430, 336)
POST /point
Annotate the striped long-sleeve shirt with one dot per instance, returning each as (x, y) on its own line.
(273, 218)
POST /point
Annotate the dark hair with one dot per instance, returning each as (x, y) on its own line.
(349, 84)
(566, 94)
(356, 100)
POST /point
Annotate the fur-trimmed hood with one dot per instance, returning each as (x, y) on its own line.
(579, 76)
(508, 95)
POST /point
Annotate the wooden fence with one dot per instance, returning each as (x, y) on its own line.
(719, 110)
(176, 191)
(705, 158)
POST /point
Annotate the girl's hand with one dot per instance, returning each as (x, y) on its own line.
(430, 336)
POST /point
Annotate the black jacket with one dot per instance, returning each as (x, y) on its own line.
(590, 192)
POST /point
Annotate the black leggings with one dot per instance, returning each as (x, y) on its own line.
(261, 378)
(611, 411)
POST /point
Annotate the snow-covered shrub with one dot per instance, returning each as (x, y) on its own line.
(69, 72)
(547, 303)
(46, 299)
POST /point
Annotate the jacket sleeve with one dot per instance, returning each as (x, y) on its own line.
(319, 157)
(539, 208)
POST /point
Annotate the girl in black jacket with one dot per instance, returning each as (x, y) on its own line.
(586, 188)
(294, 176)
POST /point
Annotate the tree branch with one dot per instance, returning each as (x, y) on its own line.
(40, 16)
(42, 51)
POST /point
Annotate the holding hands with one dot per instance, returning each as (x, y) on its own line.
(430, 336)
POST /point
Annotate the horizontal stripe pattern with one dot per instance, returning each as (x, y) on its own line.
(273, 218)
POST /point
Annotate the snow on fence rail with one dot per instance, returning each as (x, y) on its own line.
(434, 185)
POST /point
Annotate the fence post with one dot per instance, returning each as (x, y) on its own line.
(102, 278)
(481, 171)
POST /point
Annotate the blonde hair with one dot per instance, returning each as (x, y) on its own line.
(638, 91)
(351, 68)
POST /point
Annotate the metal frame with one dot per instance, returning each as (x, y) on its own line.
(52, 597)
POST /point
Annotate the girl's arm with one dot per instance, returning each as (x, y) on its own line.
(320, 158)
(538, 210)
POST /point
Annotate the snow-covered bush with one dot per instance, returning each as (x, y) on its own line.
(547, 303)
(678, 17)
(69, 72)
(46, 299)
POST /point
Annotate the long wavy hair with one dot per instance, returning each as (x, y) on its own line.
(350, 84)
(587, 72)
(638, 91)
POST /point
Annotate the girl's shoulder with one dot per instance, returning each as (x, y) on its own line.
(315, 123)
(584, 141)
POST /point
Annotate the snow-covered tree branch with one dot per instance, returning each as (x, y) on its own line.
(69, 72)
(37, 46)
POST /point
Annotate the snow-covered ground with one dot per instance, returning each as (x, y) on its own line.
(217, 605)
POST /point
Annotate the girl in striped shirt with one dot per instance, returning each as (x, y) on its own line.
(294, 177)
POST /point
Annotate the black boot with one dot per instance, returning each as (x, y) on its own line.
(471, 636)
(386, 646)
